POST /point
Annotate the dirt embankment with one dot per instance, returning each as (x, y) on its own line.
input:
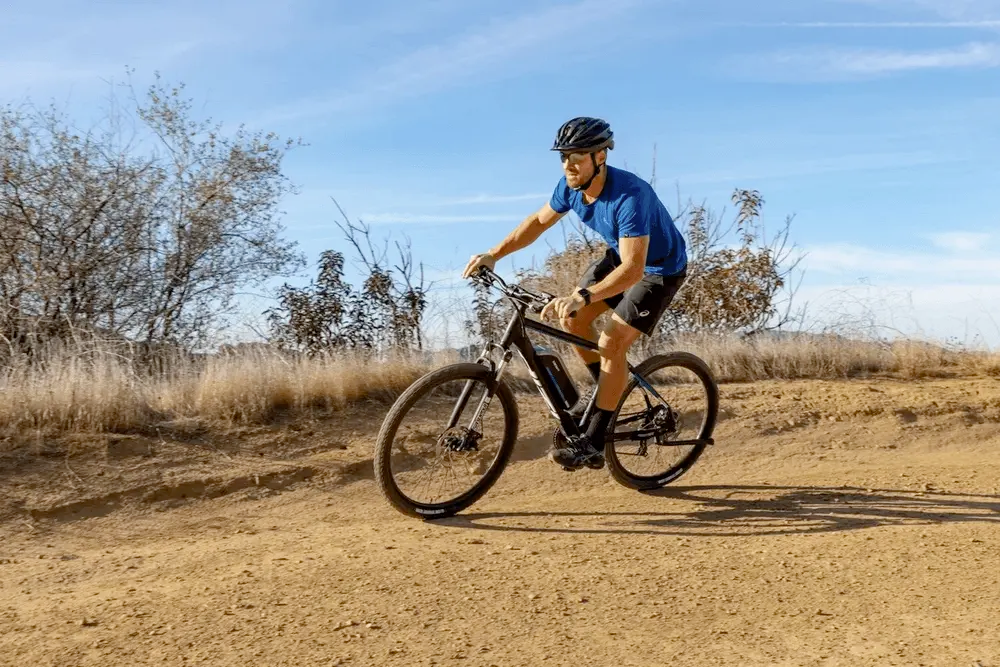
(834, 523)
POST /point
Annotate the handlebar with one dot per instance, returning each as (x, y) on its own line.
(535, 301)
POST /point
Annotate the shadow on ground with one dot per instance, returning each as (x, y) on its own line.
(753, 510)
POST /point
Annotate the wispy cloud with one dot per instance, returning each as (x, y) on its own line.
(960, 241)
(881, 25)
(943, 293)
(41, 49)
(783, 169)
(953, 9)
(966, 312)
(838, 64)
(486, 199)
(938, 267)
(977, 54)
(18, 75)
(493, 50)
(429, 218)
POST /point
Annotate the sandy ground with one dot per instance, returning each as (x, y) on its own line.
(834, 523)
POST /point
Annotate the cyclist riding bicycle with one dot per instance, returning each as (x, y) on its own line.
(643, 268)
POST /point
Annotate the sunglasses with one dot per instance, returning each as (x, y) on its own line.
(574, 158)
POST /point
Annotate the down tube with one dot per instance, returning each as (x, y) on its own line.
(546, 386)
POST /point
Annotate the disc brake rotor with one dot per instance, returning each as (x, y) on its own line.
(460, 440)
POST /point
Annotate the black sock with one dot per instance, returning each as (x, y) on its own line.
(599, 423)
(581, 402)
(595, 370)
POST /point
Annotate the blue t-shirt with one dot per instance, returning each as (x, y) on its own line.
(628, 206)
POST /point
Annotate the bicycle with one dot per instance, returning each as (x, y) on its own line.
(651, 424)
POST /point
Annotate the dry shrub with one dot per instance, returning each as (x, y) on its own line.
(736, 359)
(256, 386)
(70, 391)
(93, 390)
(829, 356)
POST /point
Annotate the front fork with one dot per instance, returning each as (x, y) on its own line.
(484, 402)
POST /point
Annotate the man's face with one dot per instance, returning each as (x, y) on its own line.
(578, 166)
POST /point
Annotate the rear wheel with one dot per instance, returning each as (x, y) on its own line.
(660, 429)
(431, 460)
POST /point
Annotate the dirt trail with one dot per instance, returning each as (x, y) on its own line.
(834, 523)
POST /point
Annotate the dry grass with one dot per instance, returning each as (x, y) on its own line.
(254, 387)
(833, 357)
(99, 391)
(95, 390)
(734, 359)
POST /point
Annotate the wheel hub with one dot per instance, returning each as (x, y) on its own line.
(663, 421)
(460, 440)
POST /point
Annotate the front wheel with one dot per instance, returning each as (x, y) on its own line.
(663, 422)
(434, 457)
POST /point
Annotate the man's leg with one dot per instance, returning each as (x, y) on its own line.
(583, 326)
(637, 313)
(614, 343)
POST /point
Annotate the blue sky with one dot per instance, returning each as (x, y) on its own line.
(875, 122)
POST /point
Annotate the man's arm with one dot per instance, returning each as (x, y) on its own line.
(527, 232)
(523, 235)
(633, 253)
(633, 266)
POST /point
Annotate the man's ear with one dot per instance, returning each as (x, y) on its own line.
(602, 156)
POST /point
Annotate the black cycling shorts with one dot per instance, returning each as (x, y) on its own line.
(642, 305)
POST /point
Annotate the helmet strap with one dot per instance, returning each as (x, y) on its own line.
(597, 170)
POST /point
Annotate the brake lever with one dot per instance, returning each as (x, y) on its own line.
(483, 276)
(539, 307)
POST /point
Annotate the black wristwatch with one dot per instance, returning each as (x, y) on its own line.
(585, 293)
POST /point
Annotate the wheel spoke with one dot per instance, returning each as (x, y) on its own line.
(445, 440)
(663, 422)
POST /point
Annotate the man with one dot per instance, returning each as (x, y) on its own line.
(643, 268)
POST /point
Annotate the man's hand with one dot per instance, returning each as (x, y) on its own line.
(563, 306)
(477, 261)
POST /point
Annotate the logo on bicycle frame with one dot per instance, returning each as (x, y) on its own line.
(545, 396)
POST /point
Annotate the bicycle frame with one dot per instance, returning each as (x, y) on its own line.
(515, 336)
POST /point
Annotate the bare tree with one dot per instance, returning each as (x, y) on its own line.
(386, 313)
(396, 291)
(217, 226)
(142, 228)
(734, 287)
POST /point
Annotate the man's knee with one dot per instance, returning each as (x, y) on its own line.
(581, 324)
(611, 346)
(575, 325)
(616, 340)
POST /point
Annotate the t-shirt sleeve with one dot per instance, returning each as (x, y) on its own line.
(560, 197)
(632, 216)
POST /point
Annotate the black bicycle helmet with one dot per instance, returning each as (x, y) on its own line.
(584, 134)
